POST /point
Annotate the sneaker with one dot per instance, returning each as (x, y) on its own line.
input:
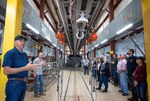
(120, 91)
(98, 88)
(43, 94)
(124, 94)
(132, 99)
(104, 91)
(116, 85)
(36, 95)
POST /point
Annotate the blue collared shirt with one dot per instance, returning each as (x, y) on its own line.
(15, 59)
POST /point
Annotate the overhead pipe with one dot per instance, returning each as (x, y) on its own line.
(38, 6)
(94, 18)
(56, 11)
(60, 8)
(107, 16)
(49, 9)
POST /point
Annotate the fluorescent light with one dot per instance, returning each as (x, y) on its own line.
(32, 28)
(125, 28)
(97, 45)
(54, 45)
(104, 41)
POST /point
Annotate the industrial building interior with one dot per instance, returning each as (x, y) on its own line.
(69, 32)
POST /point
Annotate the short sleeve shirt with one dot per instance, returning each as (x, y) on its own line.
(15, 59)
(39, 70)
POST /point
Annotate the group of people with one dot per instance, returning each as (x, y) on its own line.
(16, 67)
(130, 71)
(127, 72)
(124, 70)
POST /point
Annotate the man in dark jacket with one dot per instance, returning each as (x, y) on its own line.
(104, 74)
(131, 66)
(114, 69)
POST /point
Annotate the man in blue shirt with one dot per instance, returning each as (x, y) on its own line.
(16, 68)
(38, 74)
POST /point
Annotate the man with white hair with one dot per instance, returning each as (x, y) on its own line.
(121, 68)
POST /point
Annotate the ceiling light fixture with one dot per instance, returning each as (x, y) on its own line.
(104, 41)
(82, 18)
(125, 28)
(32, 28)
(96, 45)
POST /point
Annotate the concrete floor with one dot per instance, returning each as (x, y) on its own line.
(77, 91)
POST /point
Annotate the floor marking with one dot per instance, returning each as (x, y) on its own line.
(78, 98)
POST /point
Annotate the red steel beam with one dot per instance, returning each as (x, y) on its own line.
(49, 9)
(107, 16)
(42, 2)
(50, 23)
(38, 5)
(111, 12)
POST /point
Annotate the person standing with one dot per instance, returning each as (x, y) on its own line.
(94, 64)
(16, 68)
(86, 66)
(98, 69)
(121, 68)
(131, 66)
(114, 69)
(140, 79)
(104, 74)
(38, 74)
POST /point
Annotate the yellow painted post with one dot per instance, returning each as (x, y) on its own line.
(146, 21)
(13, 25)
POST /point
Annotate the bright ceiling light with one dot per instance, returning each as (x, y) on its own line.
(97, 45)
(125, 28)
(104, 41)
(54, 45)
(82, 18)
(32, 28)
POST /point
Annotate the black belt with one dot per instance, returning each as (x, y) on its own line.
(18, 79)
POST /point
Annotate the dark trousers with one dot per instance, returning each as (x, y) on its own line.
(141, 89)
(133, 88)
(15, 90)
(86, 70)
(94, 72)
(115, 76)
(98, 75)
(103, 79)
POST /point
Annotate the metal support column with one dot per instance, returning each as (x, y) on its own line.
(42, 2)
(111, 12)
(112, 46)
